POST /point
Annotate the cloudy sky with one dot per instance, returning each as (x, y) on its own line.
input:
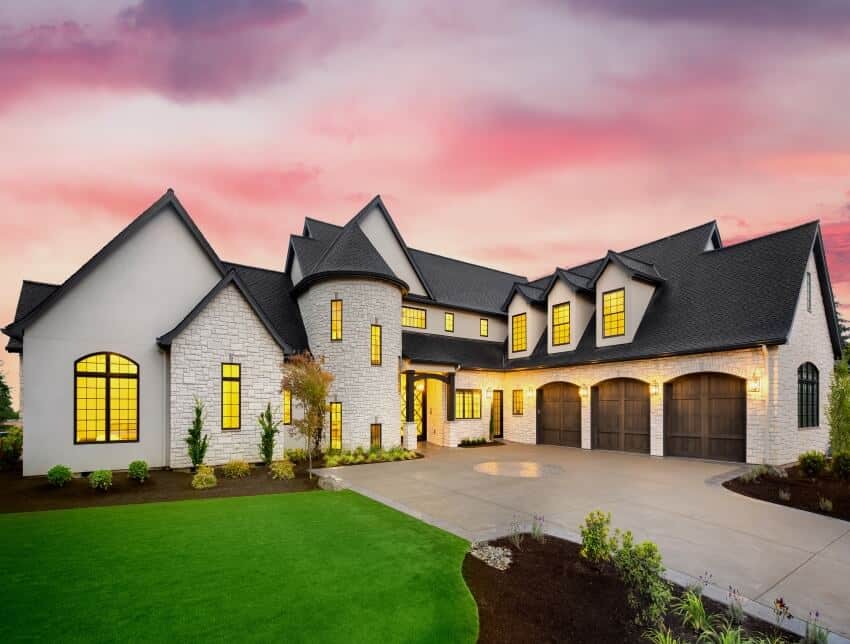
(522, 134)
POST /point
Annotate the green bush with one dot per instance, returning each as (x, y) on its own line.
(11, 446)
(204, 478)
(691, 610)
(138, 471)
(101, 479)
(196, 441)
(840, 466)
(269, 428)
(236, 469)
(296, 455)
(838, 407)
(812, 463)
(468, 442)
(596, 544)
(58, 475)
(641, 569)
(282, 470)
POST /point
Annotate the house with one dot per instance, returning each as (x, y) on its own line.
(678, 347)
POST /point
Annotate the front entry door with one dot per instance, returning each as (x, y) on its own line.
(497, 414)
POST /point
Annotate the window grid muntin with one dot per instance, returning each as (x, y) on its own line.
(231, 396)
(614, 313)
(449, 319)
(467, 404)
(413, 317)
(94, 376)
(517, 402)
(336, 320)
(375, 342)
(561, 324)
(519, 332)
(484, 327)
(808, 407)
(335, 439)
(286, 407)
(375, 431)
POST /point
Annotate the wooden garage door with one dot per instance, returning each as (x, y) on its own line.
(559, 414)
(620, 415)
(705, 416)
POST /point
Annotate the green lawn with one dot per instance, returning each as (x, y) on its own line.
(314, 566)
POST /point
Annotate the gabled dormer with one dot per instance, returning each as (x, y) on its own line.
(623, 287)
(569, 305)
(526, 309)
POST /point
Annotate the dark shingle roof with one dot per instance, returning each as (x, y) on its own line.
(321, 230)
(308, 250)
(32, 295)
(633, 266)
(440, 349)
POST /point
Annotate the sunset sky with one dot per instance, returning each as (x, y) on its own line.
(518, 134)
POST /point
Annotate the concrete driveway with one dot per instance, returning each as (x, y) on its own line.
(763, 550)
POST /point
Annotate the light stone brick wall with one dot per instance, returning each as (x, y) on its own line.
(227, 330)
(369, 394)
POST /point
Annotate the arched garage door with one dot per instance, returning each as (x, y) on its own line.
(559, 414)
(705, 416)
(619, 415)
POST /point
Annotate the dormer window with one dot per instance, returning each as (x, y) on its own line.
(561, 324)
(519, 333)
(614, 313)
(450, 322)
(413, 317)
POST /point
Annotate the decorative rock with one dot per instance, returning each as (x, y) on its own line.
(332, 483)
(493, 556)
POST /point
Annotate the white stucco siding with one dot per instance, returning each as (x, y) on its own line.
(581, 312)
(369, 394)
(808, 342)
(376, 228)
(467, 324)
(227, 330)
(637, 297)
(535, 325)
(139, 292)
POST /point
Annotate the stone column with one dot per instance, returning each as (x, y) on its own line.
(656, 422)
(409, 441)
(585, 421)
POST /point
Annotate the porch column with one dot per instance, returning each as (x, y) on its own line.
(450, 403)
(409, 396)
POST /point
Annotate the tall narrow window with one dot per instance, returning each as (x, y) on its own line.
(614, 313)
(808, 380)
(336, 320)
(484, 327)
(375, 342)
(808, 291)
(450, 322)
(467, 404)
(375, 436)
(106, 399)
(519, 339)
(336, 425)
(286, 411)
(517, 401)
(413, 317)
(561, 324)
(231, 395)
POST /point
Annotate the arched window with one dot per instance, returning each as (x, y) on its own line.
(106, 399)
(807, 395)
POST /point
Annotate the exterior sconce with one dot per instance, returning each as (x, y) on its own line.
(529, 391)
(582, 391)
(489, 393)
(420, 385)
(754, 383)
(654, 388)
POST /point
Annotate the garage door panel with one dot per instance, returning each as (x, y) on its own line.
(620, 415)
(559, 415)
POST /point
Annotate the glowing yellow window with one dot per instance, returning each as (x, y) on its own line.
(287, 407)
(518, 402)
(467, 404)
(519, 339)
(336, 320)
(450, 322)
(231, 396)
(413, 317)
(376, 345)
(106, 399)
(484, 327)
(614, 313)
(336, 425)
(561, 324)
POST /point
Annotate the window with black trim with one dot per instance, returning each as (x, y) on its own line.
(375, 345)
(519, 330)
(450, 322)
(106, 399)
(484, 327)
(286, 410)
(808, 291)
(561, 324)
(413, 317)
(467, 404)
(614, 313)
(808, 380)
(231, 395)
(336, 320)
(518, 403)
(375, 436)
(336, 425)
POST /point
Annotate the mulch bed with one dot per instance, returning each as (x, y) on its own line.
(805, 492)
(18, 494)
(551, 594)
(493, 444)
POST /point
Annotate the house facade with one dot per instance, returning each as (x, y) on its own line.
(679, 347)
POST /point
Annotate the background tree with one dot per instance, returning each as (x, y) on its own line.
(268, 430)
(838, 408)
(6, 410)
(197, 441)
(843, 325)
(309, 383)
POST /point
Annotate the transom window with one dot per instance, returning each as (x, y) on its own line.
(519, 337)
(286, 410)
(106, 399)
(336, 425)
(231, 395)
(484, 327)
(450, 322)
(413, 317)
(336, 320)
(375, 341)
(518, 402)
(467, 404)
(808, 379)
(614, 313)
(561, 324)
(375, 435)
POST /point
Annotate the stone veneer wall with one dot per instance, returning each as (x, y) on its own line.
(369, 394)
(227, 330)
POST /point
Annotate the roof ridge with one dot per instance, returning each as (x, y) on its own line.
(463, 261)
(813, 222)
(256, 268)
(666, 237)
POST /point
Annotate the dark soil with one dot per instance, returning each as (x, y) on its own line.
(805, 492)
(493, 444)
(550, 594)
(18, 494)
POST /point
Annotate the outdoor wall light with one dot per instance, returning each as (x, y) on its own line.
(754, 383)
(582, 391)
(529, 391)
(654, 388)
(420, 385)
(489, 393)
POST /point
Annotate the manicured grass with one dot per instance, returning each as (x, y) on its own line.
(313, 566)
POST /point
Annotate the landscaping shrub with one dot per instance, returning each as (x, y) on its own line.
(196, 441)
(596, 544)
(138, 471)
(204, 478)
(840, 465)
(755, 474)
(11, 446)
(297, 455)
(824, 504)
(838, 408)
(282, 470)
(468, 442)
(268, 430)
(236, 469)
(785, 495)
(691, 610)
(641, 569)
(812, 463)
(101, 479)
(58, 475)
(660, 635)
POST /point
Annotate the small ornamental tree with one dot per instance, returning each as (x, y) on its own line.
(838, 408)
(197, 441)
(310, 384)
(6, 410)
(268, 430)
